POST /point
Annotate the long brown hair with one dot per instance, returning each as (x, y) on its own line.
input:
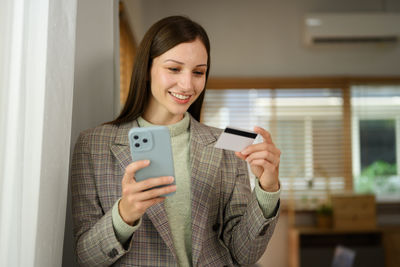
(161, 37)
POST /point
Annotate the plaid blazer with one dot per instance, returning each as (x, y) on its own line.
(229, 228)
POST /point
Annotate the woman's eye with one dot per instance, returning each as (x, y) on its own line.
(173, 69)
(200, 73)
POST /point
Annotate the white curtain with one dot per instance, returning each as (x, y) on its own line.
(29, 83)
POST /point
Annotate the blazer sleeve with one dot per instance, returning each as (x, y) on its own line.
(246, 231)
(95, 239)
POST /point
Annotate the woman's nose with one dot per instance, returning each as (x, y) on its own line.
(185, 81)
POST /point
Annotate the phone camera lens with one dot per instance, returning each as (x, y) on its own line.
(145, 140)
(137, 145)
(135, 137)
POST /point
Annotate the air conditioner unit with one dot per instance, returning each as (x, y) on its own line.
(328, 28)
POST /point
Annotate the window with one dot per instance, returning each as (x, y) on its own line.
(335, 137)
(306, 124)
(376, 137)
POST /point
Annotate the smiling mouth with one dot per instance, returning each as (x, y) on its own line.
(179, 96)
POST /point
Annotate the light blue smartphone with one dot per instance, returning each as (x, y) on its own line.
(154, 144)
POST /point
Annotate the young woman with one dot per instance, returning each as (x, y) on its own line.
(213, 219)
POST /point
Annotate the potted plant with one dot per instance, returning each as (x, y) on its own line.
(324, 216)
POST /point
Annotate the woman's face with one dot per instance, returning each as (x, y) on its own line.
(177, 78)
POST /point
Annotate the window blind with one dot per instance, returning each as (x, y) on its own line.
(305, 124)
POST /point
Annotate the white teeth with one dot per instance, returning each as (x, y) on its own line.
(183, 97)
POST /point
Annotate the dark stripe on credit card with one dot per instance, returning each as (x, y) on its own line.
(241, 133)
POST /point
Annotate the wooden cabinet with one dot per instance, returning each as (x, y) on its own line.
(391, 242)
(315, 247)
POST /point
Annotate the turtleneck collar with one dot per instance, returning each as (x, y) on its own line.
(174, 129)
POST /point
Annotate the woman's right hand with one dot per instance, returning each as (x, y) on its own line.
(136, 196)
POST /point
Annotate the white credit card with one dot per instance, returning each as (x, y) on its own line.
(235, 139)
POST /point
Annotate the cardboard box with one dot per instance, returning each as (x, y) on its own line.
(353, 211)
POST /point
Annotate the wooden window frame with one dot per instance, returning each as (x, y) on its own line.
(127, 48)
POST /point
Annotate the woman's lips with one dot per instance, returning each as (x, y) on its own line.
(179, 98)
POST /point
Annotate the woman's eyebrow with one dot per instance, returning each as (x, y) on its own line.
(181, 63)
(176, 61)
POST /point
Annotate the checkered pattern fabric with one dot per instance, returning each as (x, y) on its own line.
(228, 226)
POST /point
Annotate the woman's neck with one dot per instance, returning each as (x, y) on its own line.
(165, 119)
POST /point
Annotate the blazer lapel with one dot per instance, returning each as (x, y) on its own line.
(156, 213)
(120, 148)
(205, 163)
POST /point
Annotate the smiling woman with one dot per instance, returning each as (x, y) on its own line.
(213, 218)
(177, 81)
(155, 43)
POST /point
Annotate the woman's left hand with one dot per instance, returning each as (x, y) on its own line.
(264, 161)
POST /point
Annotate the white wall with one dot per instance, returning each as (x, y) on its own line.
(96, 89)
(264, 37)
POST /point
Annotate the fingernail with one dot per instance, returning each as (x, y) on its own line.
(171, 179)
